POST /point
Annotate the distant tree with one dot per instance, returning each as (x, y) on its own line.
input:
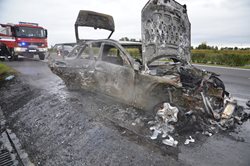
(203, 45)
(133, 40)
(235, 48)
(124, 39)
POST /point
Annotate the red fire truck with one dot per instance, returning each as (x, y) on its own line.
(26, 39)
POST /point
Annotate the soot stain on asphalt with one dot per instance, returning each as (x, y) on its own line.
(54, 123)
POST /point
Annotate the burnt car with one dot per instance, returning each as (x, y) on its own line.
(155, 76)
(150, 75)
(106, 66)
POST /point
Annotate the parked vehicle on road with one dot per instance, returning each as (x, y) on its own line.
(26, 39)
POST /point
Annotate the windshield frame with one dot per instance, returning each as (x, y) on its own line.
(29, 32)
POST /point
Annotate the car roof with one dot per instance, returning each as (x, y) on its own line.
(122, 43)
(68, 44)
(130, 43)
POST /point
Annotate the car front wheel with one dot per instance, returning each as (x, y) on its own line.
(41, 56)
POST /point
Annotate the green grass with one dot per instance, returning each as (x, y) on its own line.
(232, 58)
(245, 67)
(227, 58)
(5, 71)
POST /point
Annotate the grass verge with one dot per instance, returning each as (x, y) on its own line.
(232, 58)
(6, 71)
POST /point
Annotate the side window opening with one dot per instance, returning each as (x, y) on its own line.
(85, 53)
(91, 51)
(95, 51)
(112, 54)
(75, 51)
(134, 51)
(5, 30)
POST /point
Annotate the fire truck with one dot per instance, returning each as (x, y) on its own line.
(25, 39)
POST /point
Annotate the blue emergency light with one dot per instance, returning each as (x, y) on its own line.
(23, 43)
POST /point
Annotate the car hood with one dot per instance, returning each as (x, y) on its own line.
(165, 31)
(95, 20)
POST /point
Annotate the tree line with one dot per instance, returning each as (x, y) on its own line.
(205, 46)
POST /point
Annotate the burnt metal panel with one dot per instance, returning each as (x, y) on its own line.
(95, 20)
(165, 30)
(115, 80)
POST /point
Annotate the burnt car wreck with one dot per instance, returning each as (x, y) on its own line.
(160, 79)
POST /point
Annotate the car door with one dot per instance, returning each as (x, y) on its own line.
(114, 74)
(78, 72)
(87, 60)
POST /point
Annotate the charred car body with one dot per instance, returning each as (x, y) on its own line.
(163, 74)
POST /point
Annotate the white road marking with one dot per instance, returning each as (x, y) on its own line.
(221, 67)
(240, 99)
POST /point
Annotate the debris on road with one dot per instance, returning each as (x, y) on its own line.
(163, 123)
(207, 133)
(170, 141)
(9, 78)
(248, 103)
(189, 140)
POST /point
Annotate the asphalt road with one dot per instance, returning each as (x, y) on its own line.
(109, 146)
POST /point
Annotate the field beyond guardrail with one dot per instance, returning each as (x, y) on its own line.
(221, 57)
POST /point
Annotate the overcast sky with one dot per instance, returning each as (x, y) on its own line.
(217, 22)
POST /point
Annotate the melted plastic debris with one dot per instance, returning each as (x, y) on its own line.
(189, 140)
(171, 120)
(163, 124)
(248, 103)
(229, 109)
(207, 133)
(231, 114)
(170, 141)
(155, 133)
